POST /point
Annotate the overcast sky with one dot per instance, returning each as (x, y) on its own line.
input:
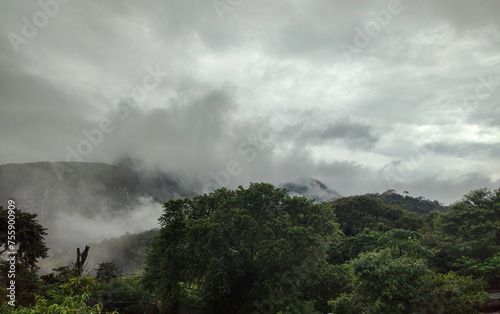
(362, 95)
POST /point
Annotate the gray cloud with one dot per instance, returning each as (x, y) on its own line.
(229, 78)
(468, 150)
(355, 135)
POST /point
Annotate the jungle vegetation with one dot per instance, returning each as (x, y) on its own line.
(258, 250)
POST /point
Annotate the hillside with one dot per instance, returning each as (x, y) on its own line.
(86, 202)
(128, 252)
(36, 187)
(419, 204)
(311, 189)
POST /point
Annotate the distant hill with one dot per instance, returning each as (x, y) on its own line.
(82, 187)
(311, 189)
(414, 204)
(163, 185)
(84, 202)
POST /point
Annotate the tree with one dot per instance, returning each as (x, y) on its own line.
(107, 271)
(451, 293)
(489, 269)
(125, 295)
(403, 240)
(245, 249)
(61, 275)
(29, 244)
(66, 290)
(471, 228)
(350, 247)
(355, 213)
(81, 257)
(384, 284)
(71, 297)
(413, 204)
(29, 237)
(475, 217)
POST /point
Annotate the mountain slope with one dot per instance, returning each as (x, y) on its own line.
(128, 252)
(311, 189)
(86, 202)
(414, 204)
(37, 188)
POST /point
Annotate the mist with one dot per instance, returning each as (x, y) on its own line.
(71, 230)
(362, 97)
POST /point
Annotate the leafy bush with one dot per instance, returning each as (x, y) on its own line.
(452, 293)
(489, 269)
(107, 271)
(70, 297)
(384, 284)
(76, 304)
(125, 295)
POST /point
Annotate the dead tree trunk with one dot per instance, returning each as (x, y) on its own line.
(81, 258)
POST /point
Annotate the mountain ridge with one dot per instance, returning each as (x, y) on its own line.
(75, 200)
(312, 189)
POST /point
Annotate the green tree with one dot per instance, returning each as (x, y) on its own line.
(403, 240)
(124, 294)
(451, 294)
(475, 217)
(66, 289)
(413, 204)
(71, 297)
(244, 249)
(107, 271)
(350, 247)
(62, 275)
(470, 228)
(384, 284)
(489, 269)
(29, 237)
(355, 213)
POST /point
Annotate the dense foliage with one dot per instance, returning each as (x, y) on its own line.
(356, 213)
(414, 204)
(244, 248)
(29, 237)
(385, 283)
(258, 250)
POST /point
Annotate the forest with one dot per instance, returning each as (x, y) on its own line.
(259, 250)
